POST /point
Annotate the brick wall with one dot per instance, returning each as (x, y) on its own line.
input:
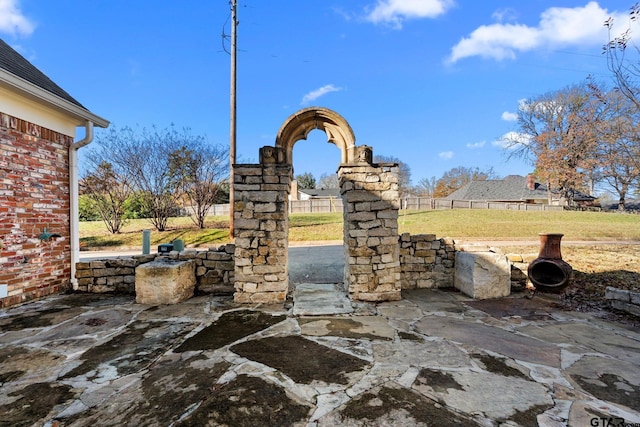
(34, 194)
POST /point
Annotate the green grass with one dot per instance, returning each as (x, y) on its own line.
(503, 224)
(457, 223)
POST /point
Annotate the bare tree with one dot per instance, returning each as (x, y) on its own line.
(458, 177)
(143, 156)
(107, 183)
(618, 150)
(617, 50)
(328, 181)
(561, 138)
(198, 171)
(426, 187)
(109, 191)
(404, 173)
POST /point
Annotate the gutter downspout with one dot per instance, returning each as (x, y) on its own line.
(74, 223)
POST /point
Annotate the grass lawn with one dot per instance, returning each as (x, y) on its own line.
(457, 223)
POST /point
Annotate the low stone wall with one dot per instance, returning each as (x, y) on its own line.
(426, 261)
(214, 271)
(623, 300)
(519, 266)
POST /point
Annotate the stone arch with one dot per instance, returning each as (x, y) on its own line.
(370, 208)
(300, 124)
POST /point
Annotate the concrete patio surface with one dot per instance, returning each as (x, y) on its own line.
(434, 358)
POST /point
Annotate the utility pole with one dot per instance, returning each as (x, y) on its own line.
(232, 131)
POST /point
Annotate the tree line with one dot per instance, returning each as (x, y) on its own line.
(152, 173)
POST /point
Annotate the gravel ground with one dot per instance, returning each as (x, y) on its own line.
(595, 268)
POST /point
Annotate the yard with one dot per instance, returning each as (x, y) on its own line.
(601, 247)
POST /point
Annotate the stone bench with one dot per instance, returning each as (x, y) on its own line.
(165, 281)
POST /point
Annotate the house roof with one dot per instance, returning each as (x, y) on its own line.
(321, 192)
(20, 75)
(511, 188)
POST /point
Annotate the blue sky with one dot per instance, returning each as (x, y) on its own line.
(435, 83)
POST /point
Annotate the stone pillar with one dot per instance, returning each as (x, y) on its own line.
(261, 223)
(372, 251)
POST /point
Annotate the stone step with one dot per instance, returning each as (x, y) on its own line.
(320, 299)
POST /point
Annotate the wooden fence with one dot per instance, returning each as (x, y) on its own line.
(420, 203)
(412, 203)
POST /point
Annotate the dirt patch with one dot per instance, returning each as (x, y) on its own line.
(398, 406)
(230, 327)
(18, 361)
(302, 360)
(9, 376)
(248, 401)
(32, 319)
(611, 388)
(170, 388)
(133, 349)
(499, 366)
(35, 401)
(409, 336)
(529, 418)
(596, 267)
(439, 381)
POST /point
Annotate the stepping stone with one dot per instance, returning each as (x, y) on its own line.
(320, 299)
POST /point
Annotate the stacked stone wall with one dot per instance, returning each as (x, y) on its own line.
(426, 261)
(34, 195)
(214, 270)
(261, 228)
(372, 262)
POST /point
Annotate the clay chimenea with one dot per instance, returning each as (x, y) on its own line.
(548, 272)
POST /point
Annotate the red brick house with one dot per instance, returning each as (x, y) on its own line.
(38, 180)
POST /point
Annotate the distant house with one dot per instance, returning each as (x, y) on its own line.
(312, 193)
(514, 189)
(38, 180)
(322, 193)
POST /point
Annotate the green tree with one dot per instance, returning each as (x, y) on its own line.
(86, 209)
(306, 181)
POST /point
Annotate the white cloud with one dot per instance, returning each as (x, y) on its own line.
(12, 21)
(509, 117)
(476, 145)
(512, 140)
(446, 155)
(394, 12)
(317, 93)
(558, 26)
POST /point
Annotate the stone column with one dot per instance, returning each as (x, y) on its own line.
(372, 251)
(261, 224)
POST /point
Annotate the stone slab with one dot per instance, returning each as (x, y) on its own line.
(491, 338)
(320, 299)
(165, 281)
(372, 327)
(482, 275)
